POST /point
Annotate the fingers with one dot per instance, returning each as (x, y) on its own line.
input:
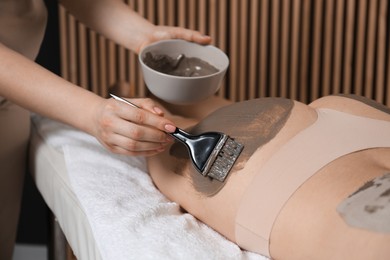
(200, 38)
(138, 131)
(169, 32)
(149, 115)
(149, 105)
(120, 150)
(127, 130)
(190, 35)
(132, 147)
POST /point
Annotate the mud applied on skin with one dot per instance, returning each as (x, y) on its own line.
(369, 206)
(182, 66)
(252, 123)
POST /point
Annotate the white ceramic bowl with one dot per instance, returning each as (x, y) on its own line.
(178, 89)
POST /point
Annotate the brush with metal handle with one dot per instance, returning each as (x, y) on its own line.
(213, 153)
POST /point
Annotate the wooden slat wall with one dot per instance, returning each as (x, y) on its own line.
(300, 49)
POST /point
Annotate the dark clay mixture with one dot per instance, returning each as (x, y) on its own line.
(184, 67)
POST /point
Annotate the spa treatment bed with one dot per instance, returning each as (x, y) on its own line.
(107, 205)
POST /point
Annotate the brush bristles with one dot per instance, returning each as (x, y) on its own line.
(225, 160)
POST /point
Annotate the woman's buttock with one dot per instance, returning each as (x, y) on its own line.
(343, 211)
(316, 220)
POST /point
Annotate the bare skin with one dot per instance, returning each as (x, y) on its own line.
(308, 227)
(23, 83)
(119, 128)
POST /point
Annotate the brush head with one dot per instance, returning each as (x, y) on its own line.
(222, 158)
(213, 153)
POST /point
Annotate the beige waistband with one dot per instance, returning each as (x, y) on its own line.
(333, 135)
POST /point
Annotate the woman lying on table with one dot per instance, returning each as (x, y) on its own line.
(313, 181)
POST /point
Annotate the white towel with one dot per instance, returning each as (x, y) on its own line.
(129, 217)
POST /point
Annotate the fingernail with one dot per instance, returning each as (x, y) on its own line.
(170, 128)
(158, 111)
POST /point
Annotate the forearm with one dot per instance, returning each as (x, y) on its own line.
(113, 19)
(117, 21)
(37, 89)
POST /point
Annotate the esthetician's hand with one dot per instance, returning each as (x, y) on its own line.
(169, 32)
(132, 131)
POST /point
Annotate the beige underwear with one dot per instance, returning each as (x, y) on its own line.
(333, 135)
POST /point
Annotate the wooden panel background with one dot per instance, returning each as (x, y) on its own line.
(300, 49)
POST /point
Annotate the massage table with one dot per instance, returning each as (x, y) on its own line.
(107, 206)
